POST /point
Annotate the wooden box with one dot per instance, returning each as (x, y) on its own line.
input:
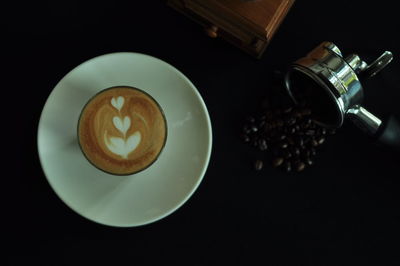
(250, 25)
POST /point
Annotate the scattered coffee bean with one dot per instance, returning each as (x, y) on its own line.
(291, 130)
(332, 132)
(314, 143)
(300, 166)
(288, 110)
(245, 138)
(290, 121)
(254, 142)
(299, 141)
(262, 144)
(310, 132)
(309, 161)
(284, 145)
(254, 129)
(288, 166)
(296, 151)
(277, 161)
(288, 133)
(246, 129)
(250, 119)
(287, 154)
(258, 165)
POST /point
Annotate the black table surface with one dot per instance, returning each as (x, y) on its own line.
(345, 210)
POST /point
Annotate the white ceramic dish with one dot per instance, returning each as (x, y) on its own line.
(138, 199)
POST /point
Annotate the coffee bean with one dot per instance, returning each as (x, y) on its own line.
(262, 144)
(287, 154)
(287, 166)
(305, 153)
(290, 121)
(254, 128)
(332, 131)
(264, 117)
(299, 140)
(308, 161)
(310, 132)
(250, 119)
(246, 129)
(258, 165)
(288, 132)
(306, 139)
(277, 161)
(291, 130)
(254, 142)
(300, 166)
(300, 133)
(314, 143)
(245, 138)
(288, 110)
(296, 151)
(283, 145)
(297, 114)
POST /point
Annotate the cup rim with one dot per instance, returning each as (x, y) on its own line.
(162, 114)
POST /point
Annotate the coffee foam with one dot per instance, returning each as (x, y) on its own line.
(122, 130)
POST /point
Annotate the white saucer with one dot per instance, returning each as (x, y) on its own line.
(125, 200)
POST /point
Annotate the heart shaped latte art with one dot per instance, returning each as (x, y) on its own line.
(125, 145)
(118, 102)
(122, 125)
(121, 146)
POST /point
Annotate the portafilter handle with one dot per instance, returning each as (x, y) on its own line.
(361, 67)
(386, 131)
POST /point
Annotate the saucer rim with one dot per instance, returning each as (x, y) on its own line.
(208, 139)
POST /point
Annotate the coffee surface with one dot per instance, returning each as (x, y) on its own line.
(122, 130)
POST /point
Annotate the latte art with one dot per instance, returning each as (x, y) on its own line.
(125, 145)
(122, 130)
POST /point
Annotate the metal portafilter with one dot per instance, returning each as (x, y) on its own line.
(330, 86)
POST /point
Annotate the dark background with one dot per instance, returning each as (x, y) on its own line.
(343, 211)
